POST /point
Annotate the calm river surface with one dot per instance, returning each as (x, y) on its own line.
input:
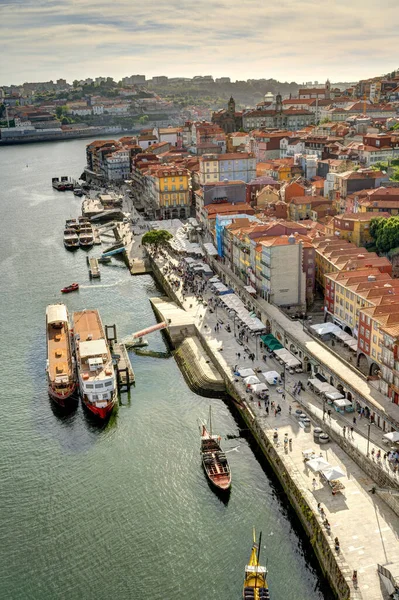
(122, 512)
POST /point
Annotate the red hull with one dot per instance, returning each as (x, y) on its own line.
(70, 288)
(100, 413)
(62, 399)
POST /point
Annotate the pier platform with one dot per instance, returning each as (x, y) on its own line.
(125, 372)
(94, 270)
(180, 323)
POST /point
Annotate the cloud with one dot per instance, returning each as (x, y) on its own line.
(288, 40)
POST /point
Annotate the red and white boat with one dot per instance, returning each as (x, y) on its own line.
(70, 288)
(214, 460)
(96, 373)
(60, 368)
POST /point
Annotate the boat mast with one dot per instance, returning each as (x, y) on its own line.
(210, 421)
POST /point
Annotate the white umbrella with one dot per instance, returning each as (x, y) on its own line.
(333, 473)
(318, 464)
(246, 372)
(392, 436)
(259, 387)
(251, 380)
(271, 377)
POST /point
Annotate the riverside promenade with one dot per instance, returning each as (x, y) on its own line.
(366, 527)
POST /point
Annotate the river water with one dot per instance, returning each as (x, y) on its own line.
(123, 511)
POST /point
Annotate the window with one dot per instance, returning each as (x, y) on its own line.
(98, 385)
(362, 330)
(89, 386)
(374, 339)
(108, 383)
(360, 343)
(368, 320)
(367, 334)
(373, 352)
(367, 347)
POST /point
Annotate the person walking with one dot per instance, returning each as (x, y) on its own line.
(344, 430)
(314, 484)
(354, 420)
(290, 409)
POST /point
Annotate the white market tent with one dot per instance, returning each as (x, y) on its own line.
(392, 436)
(246, 372)
(342, 403)
(251, 379)
(271, 377)
(334, 395)
(210, 249)
(289, 359)
(333, 473)
(259, 387)
(325, 328)
(318, 464)
(233, 302)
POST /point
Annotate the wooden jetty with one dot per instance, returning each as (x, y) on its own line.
(96, 234)
(124, 369)
(94, 270)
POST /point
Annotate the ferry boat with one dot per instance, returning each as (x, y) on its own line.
(214, 460)
(62, 184)
(255, 583)
(60, 366)
(71, 239)
(96, 373)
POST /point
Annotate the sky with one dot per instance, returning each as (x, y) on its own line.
(288, 40)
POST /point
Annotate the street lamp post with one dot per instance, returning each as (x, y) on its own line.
(368, 438)
(308, 319)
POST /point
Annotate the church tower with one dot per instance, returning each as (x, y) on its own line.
(327, 88)
(279, 103)
(232, 106)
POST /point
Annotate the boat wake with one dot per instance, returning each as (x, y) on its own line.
(101, 285)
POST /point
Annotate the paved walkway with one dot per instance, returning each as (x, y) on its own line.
(366, 527)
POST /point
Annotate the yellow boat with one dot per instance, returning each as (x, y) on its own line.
(255, 583)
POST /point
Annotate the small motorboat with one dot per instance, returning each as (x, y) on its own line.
(70, 288)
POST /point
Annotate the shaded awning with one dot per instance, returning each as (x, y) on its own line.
(271, 342)
(249, 289)
(210, 249)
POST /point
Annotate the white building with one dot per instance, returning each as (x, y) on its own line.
(235, 166)
(291, 146)
(117, 165)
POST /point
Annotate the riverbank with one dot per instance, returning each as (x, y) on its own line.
(351, 514)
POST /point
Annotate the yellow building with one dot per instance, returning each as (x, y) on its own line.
(355, 227)
(170, 191)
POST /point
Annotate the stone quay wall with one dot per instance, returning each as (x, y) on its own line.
(333, 566)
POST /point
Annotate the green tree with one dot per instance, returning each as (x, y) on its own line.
(385, 232)
(143, 119)
(156, 238)
(75, 84)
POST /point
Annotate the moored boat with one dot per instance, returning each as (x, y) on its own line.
(60, 368)
(86, 239)
(214, 460)
(255, 583)
(96, 373)
(70, 288)
(62, 184)
(71, 239)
